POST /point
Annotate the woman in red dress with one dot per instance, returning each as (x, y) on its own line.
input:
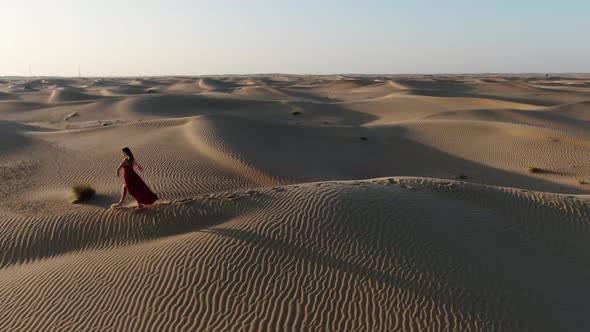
(134, 185)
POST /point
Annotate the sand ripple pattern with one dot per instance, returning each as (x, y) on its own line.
(381, 255)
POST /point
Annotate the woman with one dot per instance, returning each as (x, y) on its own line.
(134, 185)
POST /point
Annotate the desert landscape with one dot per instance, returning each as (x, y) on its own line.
(297, 203)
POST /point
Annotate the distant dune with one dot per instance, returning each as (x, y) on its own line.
(8, 96)
(68, 94)
(213, 84)
(323, 203)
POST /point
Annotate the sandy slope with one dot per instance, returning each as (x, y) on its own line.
(385, 254)
(268, 221)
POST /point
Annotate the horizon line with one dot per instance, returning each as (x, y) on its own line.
(291, 74)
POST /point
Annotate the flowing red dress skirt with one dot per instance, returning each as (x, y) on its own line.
(136, 187)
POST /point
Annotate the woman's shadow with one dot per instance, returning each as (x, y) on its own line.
(99, 201)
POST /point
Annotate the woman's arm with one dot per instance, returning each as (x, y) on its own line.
(119, 168)
(138, 166)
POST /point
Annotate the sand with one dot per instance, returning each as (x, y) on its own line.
(322, 203)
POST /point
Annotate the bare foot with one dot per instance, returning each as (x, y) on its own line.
(139, 207)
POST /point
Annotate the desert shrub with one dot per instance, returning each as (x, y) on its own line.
(82, 192)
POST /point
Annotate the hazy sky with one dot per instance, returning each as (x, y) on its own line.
(127, 37)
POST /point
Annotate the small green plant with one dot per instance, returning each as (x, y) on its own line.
(82, 192)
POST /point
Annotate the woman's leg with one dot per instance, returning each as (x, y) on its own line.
(123, 196)
(139, 205)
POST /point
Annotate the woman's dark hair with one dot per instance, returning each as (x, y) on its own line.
(128, 153)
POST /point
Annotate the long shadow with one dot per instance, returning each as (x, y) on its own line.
(552, 119)
(455, 94)
(458, 89)
(306, 96)
(12, 138)
(171, 105)
(436, 85)
(343, 115)
(423, 160)
(322, 153)
(187, 105)
(444, 295)
(99, 201)
(111, 228)
(284, 247)
(488, 257)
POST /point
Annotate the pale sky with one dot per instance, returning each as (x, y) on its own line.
(202, 37)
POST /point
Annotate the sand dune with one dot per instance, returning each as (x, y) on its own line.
(307, 256)
(324, 203)
(8, 96)
(144, 82)
(125, 90)
(185, 87)
(213, 84)
(402, 107)
(12, 137)
(68, 94)
(329, 90)
(101, 82)
(576, 111)
(264, 92)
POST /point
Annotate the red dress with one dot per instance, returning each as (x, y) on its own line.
(136, 187)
